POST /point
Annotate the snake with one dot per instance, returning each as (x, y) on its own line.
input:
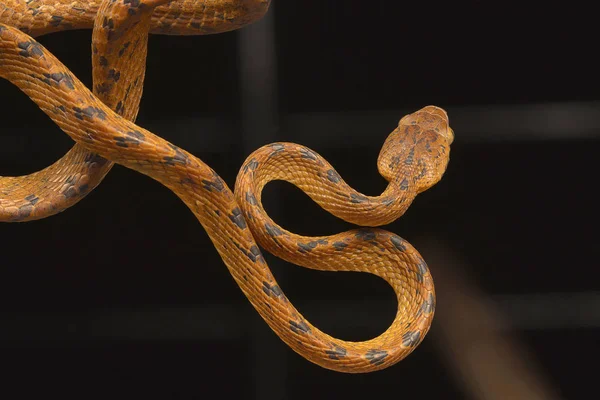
(101, 122)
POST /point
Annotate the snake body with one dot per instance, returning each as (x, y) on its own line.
(414, 157)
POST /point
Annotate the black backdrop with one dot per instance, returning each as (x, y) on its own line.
(124, 296)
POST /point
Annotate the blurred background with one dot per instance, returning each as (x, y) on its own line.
(100, 302)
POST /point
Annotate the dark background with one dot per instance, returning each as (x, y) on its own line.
(83, 316)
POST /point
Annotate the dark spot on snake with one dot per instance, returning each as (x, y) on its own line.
(333, 176)
(131, 11)
(24, 212)
(337, 352)
(428, 147)
(114, 75)
(62, 108)
(125, 46)
(70, 192)
(89, 112)
(306, 247)
(276, 149)
(61, 77)
(112, 35)
(404, 184)
(169, 160)
(84, 188)
(429, 304)
(251, 199)
(56, 20)
(422, 173)
(78, 113)
(93, 110)
(131, 137)
(103, 88)
(423, 269)
(299, 327)
(32, 198)
(254, 253)
(398, 243)
(42, 79)
(273, 230)
(388, 202)
(357, 198)
(237, 218)
(395, 160)
(411, 338)
(93, 158)
(179, 157)
(217, 184)
(322, 241)
(274, 290)
(103, 61)
(420, 277)
(306, 153)
(376, 357)
(119, 108)
(195, 25)
(339, 245)
(251, 165)
(29, 49)
(365, 234)
(411, 156)
(108, 23)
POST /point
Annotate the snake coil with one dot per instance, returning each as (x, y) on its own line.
(413, 158)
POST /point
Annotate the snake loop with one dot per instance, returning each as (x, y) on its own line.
(414, 157)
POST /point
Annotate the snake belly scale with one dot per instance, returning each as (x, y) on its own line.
(413, 158)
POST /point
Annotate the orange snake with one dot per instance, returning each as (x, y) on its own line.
(414, 157)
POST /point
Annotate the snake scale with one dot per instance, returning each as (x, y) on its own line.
(413, 158)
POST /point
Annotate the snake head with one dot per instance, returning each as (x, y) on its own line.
(415, 155)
